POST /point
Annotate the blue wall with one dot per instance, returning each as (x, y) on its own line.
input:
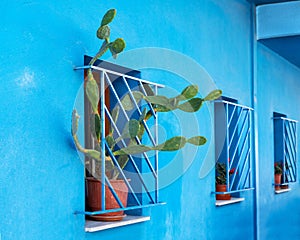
(42, 177)
(278, 91)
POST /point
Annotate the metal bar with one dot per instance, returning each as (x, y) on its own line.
(241, 174)
(290, 137)
(127, 118)
(149, 104)
(290, 153)
(246, 178)
(235, 191)
(232, 114)
(132, 161)
(227, 152)
(102, 119)
(294, 127)
(122, 174)
(237, 167)
(291, 129)
(82, 67)
(243, 146)
(127, 76)
(282, 125)
(284, 118)
(237, 125)
(296, 167)
(290, 170)
(113, 193)
(156, 152)
(234, 104)
(118, 74)
(139, 111)
(118, 209)
(240, 137)
(123, 142)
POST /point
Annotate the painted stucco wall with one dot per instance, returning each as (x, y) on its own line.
(278, 91)
(42, 178)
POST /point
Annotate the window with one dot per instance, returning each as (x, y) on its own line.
(285, 151)
(233, 149)
(107, 199)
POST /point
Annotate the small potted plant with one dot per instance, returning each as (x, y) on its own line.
(278, 175)
(186, 101)
(221, 181)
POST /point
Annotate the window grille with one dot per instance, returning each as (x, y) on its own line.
(114, 85)
(285, 147)
(233, 128)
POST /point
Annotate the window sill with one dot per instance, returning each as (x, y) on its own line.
(220, 203)
(282, 190)
(94, 226)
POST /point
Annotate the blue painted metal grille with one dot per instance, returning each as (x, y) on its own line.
(285, 147)
(233, 144)
(141, 171)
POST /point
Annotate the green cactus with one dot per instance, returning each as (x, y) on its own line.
(108, 17)
(134, 129)
(163, 104)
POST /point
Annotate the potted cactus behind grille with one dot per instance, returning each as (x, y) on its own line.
(187, 101)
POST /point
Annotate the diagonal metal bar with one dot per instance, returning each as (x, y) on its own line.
(119, 135)
(294, 127)
(149, 104)
(291, 155)
(291, 138)
(139, 111)
(247, 178)
(231, 117)
(288, 147)
(238, 124)
(113, 192)
(127, 118)
(237, 167)
(240, 137)
(291, 166)
(132, 160)
(292, 133)
(122, 173)
(243, 170)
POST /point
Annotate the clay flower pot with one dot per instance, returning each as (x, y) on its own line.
(94, 199)
(277, 181)
(222, 188)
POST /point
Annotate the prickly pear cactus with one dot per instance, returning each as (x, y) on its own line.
(133, 131)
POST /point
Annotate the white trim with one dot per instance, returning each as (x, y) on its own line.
(94, 226)
(282, 190)
(226, 202)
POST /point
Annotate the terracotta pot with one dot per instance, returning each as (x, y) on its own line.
(277, 181)
(222, 188)
(93, 199)
(285, 186)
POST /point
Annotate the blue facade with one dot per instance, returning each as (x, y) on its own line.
(42, 177)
